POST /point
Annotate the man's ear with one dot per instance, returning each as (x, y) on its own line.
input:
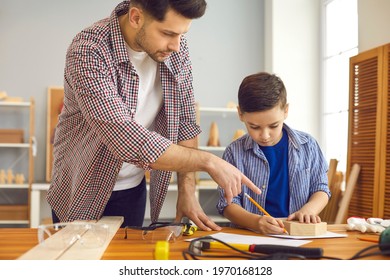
(136, 17)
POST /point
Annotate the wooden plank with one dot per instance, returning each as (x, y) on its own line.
(330, 211)
(13, 212)
(333, 204)
(332, 175)
(332, 171)
(345, 200)
(76, 250)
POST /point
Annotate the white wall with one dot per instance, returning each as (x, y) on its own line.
(34, 38)
(226, 44)
(374, 23)
(293, 51)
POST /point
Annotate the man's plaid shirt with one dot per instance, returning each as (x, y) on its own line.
(96, 132)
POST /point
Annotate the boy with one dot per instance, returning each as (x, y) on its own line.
(286, 164)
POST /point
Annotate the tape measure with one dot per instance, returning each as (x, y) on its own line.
(189, 229)
(161, 250)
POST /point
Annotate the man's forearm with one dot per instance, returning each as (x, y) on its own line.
(186, 180)
(184, 159)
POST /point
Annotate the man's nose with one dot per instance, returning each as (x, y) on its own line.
(174, 44)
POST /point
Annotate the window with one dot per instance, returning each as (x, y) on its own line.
(340, 43)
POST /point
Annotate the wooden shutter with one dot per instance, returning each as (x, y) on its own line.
(384, 191)
(369, 131)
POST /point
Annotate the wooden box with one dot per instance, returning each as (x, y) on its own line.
(302, 229)
(55, 99)
(14, 212)
(11, 135)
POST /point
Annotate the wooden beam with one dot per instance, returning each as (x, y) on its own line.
(76, 250)
(345, 200)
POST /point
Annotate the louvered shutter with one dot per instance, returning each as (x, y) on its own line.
(368, 133)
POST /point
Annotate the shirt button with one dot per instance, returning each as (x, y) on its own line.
(132, 110)
(263, 187)
(134, 78)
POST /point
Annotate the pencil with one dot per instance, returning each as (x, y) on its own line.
(374, 239)
(261, 208)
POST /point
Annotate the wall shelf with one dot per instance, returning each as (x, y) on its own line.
(15, 203)
(212, 149)
(206, 190)
(217, 110)
(14, 145)
(14, 222)
(14, 186)
(15, 104)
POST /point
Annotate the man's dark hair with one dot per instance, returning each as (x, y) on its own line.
(190, 9)
(260, 92)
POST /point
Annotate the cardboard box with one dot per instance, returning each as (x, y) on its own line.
(11, 136)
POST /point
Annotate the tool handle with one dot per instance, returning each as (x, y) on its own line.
(312, 253)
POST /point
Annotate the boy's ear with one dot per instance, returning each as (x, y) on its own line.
(239, 113)
(286, 111)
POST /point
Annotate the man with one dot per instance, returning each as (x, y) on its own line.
(129, 107)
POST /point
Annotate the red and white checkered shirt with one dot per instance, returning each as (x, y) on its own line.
(96, 131)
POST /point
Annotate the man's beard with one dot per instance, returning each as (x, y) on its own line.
(140, 39)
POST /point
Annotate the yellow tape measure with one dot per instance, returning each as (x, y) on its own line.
(189, 230)
(161, 250)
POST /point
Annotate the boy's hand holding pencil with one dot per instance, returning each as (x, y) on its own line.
(261, 208)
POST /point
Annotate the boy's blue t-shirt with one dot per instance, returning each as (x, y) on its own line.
(277, 199)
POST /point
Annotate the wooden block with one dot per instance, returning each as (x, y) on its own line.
(3, 95)
(13, 99)
(214, 136)
(11, 135)
(302, 229)
(2, 176)
(231, 105)
(5, 98)
(19, 179)
(10, 176)
(238, 134)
